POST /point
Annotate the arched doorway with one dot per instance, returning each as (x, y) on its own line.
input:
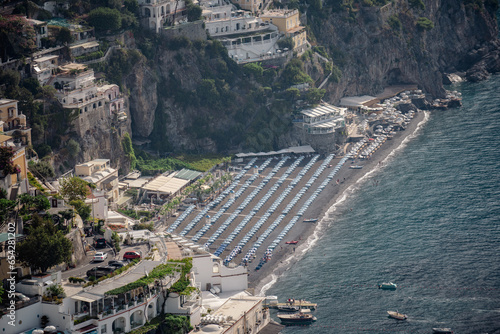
(136, 319)
(119, 325)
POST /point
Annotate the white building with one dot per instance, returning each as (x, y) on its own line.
(95, 103)
(93, 310)
(44, 67)
(241, 313)
(323, 119)
(156, 13)
(212, 274)
(100, 173)
(246, 37)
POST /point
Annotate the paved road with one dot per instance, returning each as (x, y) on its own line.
(81, 270)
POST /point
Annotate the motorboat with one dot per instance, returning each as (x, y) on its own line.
(397, 315)
(356, 167)
(442, 330)
(310, 220)
(387, 286)
(292, 242)
(298, 318)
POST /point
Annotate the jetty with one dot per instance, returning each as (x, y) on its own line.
(303, 304)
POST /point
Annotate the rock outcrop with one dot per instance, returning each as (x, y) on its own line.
(380, 46)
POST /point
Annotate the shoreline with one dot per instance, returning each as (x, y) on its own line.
(309, 233)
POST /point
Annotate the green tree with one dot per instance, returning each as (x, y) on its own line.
(6, 165)
(417, 4)
(74, 188)
(42, 169)
(73, 148)
(314, 95)
(129, 150)
(254, 69)
(193, 11)
(44, 246)
(286, 42)
(84, 210)
(64, 36)
(103, 19)
(6, 209)
(116, 241)
(394, 22)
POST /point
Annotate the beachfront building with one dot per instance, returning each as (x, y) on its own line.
(246, 37)
(242, 313)
(323, 119)
(213, 275)
(288, 23)
(167, 185)
(154, 14)
(113, 305)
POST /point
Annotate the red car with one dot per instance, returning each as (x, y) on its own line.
(131, 255)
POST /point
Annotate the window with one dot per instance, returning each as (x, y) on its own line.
(103, 329)
(215, 269)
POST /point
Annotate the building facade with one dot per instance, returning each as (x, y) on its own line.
(156, 13)
(288, 23)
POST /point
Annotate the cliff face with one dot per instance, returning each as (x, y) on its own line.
(191, 97)
(380, 46)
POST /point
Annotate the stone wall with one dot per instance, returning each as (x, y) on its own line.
(192, 30)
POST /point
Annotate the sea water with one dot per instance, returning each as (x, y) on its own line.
(427, 220)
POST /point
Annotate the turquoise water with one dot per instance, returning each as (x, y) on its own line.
(427, 221)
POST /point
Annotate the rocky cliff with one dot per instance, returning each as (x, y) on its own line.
(408, 41)
(190, 97)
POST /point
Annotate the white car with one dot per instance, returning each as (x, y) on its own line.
(100, 256)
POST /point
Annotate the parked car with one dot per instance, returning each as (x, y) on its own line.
(19, 297)
(131, 255)
(99, 272)
(117, 264)
(99, 242)
(100, 256)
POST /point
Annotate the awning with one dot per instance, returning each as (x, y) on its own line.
(87, 297)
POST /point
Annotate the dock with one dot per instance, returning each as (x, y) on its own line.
(303, 304)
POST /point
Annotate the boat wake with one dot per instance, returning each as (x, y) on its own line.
(327, 219)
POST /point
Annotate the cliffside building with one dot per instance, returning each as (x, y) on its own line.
(100, 173)
(94, 103)
(15, 134)
(288, 23)
(156, 13)
(246, 37)
(13, 123)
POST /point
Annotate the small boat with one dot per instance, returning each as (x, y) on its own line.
(356, 167)
(442, 330)
(299, 318)
(387, 286)
(397, 315)
(310, 220)
(292, 242)
(289, 308)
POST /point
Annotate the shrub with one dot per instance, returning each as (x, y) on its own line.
(424, 23)
(394, 22)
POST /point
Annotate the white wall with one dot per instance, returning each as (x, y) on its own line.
(25, 319)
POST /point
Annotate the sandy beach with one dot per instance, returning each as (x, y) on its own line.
(309, 233)
(306, 233)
